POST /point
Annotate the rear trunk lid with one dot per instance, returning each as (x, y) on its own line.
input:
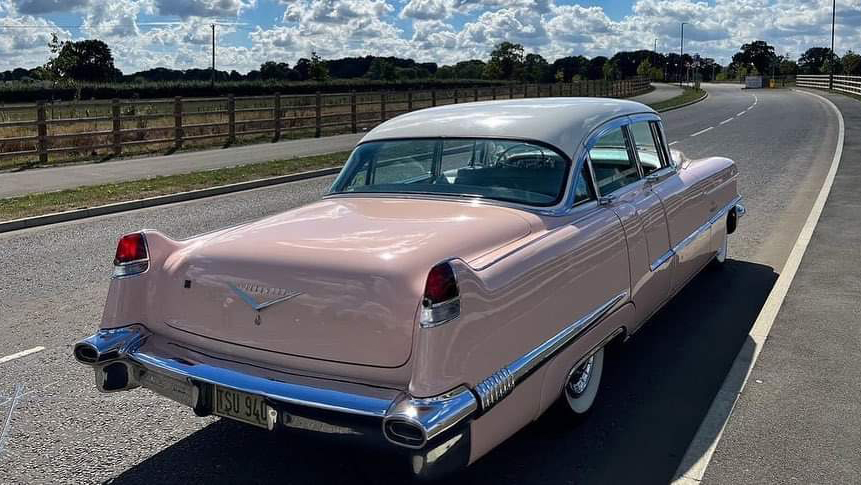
(339, 280)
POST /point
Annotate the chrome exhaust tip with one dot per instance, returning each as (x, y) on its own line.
(86, 353)
(108, 345)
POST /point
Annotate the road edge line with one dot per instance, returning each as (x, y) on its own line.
(696, 459)
(72, 215)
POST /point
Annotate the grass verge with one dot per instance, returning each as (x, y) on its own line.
(688, 95)
(95, 195)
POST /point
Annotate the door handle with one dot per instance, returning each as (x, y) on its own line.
(606, 199)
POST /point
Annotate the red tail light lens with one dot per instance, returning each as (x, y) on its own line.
(441, 302)
(132, 256)
(441, 285)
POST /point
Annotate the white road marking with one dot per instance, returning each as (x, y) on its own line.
(703, 131)
(672, 143)
(702, 447)
(739, 114)
(727, 121)
(20, 354)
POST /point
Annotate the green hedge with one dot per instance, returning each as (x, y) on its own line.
(23, 93)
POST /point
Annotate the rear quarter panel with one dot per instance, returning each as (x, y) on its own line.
(512, 306)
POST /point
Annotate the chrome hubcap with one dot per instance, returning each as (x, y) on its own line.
(579, 380)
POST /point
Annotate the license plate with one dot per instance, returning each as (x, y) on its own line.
(241, 406)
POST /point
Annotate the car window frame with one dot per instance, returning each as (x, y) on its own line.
(632, 156)
(659, 145)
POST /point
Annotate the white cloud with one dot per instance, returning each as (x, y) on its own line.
(38, 7)
(203, 8)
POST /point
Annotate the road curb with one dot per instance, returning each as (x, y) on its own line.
(701, 98)
(43, 220)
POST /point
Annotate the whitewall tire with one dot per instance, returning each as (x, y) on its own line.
(582, 384)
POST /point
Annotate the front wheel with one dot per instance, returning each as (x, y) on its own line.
(582, 384)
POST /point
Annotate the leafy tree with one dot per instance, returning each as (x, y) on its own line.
(852, 64)
(278, 71)
(84, 60)
(303, 69)
(611, 70)
(757, 54)
(788, 67)
(536, 69)
(506, 62)
(471, 69)
(382, 69)
(595, 69)
(645, 68)
(319, 72)
(816, 61)
(571, 67)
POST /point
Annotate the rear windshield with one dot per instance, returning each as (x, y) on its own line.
(509, 170)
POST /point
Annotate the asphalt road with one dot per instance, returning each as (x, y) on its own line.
(656, 389)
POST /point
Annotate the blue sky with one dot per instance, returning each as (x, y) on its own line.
(175, 33)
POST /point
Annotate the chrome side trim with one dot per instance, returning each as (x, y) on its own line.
(662, 260)
(740, 210)
(494, 388)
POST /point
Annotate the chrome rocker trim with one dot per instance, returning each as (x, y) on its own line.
(496, 387)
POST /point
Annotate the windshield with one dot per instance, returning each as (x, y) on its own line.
(509, 170)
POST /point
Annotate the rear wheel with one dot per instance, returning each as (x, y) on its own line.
(583, 383)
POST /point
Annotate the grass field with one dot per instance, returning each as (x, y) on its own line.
(49, 202)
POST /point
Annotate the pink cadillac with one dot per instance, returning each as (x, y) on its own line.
(464, 273)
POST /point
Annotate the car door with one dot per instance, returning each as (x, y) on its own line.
(687, 214)
(621, 186)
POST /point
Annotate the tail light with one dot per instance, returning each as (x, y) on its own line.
(441, 300)
(132, 255)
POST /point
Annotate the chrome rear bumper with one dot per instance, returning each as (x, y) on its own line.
(434, 431)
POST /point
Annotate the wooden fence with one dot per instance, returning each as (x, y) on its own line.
(111, 128)
(844, 84)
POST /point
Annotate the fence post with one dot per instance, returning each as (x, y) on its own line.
(433, 97)
(353, 124)
(475, 94)
(177, 122)
(42, 132)
(455, 95)
(511, 91)
(493, 92)
(318, 115)
(117, 126)
(231, 119)
(382, 106)
(276, 112)
(409, 100)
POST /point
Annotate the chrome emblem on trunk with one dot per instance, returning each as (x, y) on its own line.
(244, 293)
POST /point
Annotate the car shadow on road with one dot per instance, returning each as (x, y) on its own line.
(656, 390)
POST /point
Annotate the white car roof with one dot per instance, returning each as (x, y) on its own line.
(560, 122)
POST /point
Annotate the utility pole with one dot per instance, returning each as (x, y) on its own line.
(212, 77)
(656, 45)
(682, 53)
(831, 61)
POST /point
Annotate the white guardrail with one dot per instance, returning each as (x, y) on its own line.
(845, 84)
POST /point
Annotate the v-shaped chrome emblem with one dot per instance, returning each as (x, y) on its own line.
(260, 306)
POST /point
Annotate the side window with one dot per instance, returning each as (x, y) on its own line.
(646, 146)
(582, 187)
(612, 163)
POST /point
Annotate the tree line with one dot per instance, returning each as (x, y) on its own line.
(91, 61)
